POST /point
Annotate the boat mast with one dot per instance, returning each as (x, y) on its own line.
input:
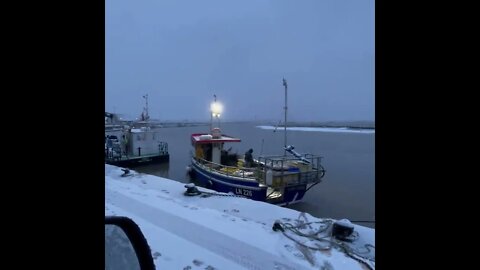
(146, 107)
(212, 113)
(285, 123)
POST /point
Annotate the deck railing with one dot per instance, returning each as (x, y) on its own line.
(281, 167)
(241, 172)
(163, 148)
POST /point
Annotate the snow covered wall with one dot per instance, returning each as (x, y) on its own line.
(219, 232)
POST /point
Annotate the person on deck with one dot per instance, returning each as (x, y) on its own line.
(249, 158)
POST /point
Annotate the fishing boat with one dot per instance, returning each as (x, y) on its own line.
(277, 179)
(134, 143)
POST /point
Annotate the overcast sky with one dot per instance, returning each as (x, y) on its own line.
(183, 52)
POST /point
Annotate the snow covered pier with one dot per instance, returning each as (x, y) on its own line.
(219, 232)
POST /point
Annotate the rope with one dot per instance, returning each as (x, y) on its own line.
(208, 194)
(354, 254)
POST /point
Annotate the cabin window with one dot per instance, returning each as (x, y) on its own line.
(139, 138)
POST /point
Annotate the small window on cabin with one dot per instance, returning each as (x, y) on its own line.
(139, 138)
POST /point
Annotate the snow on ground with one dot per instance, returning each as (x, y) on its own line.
(322, 129)
(215, 232)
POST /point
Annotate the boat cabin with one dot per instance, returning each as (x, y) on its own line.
(144, 141)
(209, 147)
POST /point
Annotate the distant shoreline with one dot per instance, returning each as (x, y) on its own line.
(353, 125)
(331, 126)
(319, 129)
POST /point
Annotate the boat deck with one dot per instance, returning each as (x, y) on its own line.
(138, 160)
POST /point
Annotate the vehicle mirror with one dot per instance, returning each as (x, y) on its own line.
(125, 246)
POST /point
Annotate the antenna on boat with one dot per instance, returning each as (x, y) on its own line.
(261, 149)
(211, 112)
(285, 124)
